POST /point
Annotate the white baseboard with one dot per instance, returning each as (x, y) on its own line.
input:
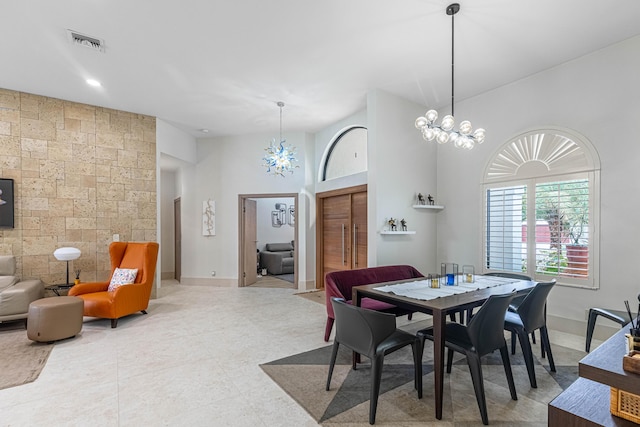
(307, 286)
(579, 327)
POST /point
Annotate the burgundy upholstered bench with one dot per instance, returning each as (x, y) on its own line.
(339, 283)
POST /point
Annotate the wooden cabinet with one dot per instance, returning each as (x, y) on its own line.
(341, 238)
(587, 401)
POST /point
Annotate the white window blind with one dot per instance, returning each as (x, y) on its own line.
(505, 240)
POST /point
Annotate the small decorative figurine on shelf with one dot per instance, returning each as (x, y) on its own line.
(392, 224)
(430, 199)
(403, 224)
(421, 200)
(75, 282)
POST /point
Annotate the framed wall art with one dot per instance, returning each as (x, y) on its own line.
(292, 216)
(6, 203)
(275, 219)
(209, 218)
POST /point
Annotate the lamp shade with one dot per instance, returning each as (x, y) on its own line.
(67, 254)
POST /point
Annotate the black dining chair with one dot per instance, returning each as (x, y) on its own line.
(529, 316)
(518, 299)
(482, 335)
(515, 303)
(618, 316)
(373, 334)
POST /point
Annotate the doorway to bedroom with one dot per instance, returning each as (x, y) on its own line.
(268, 240)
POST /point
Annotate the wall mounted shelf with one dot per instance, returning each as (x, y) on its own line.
(434, 207)
(397, 232)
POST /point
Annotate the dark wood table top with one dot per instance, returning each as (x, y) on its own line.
(604, 364)
(584, 404)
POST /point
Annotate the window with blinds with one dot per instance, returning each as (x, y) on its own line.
(541, 215)
(551, 241)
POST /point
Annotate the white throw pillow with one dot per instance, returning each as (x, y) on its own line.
(122, 276)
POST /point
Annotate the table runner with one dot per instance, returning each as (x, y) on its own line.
(422, 290)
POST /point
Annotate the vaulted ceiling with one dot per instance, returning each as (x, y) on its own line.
(222, 65)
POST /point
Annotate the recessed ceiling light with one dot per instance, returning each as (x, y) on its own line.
(94, 83)
(204, 130)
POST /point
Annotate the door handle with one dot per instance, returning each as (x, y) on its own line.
(343, 255)
(354, 246)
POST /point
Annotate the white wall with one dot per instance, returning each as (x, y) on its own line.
(266, 233)
(226, 168)
(175, 142)
(401, 164)
(597, 96)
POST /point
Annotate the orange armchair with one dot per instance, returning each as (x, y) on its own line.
(124, 300)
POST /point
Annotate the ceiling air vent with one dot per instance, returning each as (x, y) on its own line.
(86, 41)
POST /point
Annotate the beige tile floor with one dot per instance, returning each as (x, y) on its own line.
(192, 361)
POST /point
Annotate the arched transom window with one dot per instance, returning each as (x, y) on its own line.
(346, 154)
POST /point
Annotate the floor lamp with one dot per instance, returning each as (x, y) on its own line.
(67, 254)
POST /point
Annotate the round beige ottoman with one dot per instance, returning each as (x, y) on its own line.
(55, 318)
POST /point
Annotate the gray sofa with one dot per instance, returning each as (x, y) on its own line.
(277, 258)
(16, 295)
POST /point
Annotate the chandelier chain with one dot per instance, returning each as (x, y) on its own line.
(280, 104)
(453, 14)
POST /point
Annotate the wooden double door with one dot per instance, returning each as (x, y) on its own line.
(341, 231)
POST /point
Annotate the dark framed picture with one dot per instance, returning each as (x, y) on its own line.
(6, 203)
(276, 220)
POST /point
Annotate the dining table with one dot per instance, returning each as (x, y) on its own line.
(418, 295)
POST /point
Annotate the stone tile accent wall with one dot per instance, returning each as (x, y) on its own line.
(82, 174)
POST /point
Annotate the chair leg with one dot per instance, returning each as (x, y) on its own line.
(544, 338)
(591, 325)
(528, 356)
(507, 370)
(449, 360)
(543, 350)
(114, 323)
(478, 385)
(327, 329)
(410, 316)
(417, 366)
(513, 342)
(376, 374)
(334, 353)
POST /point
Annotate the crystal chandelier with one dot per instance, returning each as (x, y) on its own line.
(465, 137)
(280, 157)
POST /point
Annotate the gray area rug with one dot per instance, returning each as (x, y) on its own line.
(287, 277)
(22, 359)
(303, 376)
